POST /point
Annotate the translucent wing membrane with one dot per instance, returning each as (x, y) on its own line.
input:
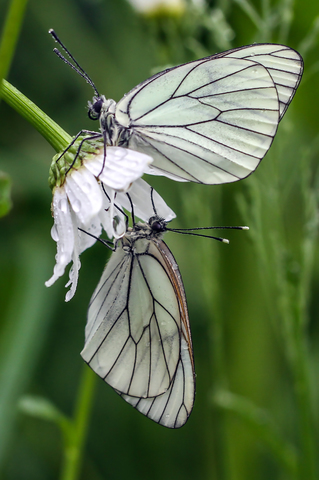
(173, 408)
(284, 64)
(212, 120)
(137, 334)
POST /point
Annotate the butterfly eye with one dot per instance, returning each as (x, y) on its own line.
(95, 108)
(157, 224)
(157, 227)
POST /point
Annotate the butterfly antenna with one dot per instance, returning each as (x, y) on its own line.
(209, 228)
(190, 231)
(220, 239)
(79, 70)
(152, 200)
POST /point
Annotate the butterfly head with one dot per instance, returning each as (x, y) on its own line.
(157, 225)
(100, 107)
(152, 230)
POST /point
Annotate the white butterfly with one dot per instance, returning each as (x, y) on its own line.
(137, 336)
(209, 121)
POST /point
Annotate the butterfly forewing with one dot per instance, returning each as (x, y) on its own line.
(138, 336)
(173, 408)
(130, 107)
(212, 120)
(105, 302)
(284, 64)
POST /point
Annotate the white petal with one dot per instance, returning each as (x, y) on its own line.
(54, 233)
(148, 6)
(94, 228)
(140, 193)
(118, 223)
(62, 233)
(107, 221)
(73, 277)
(82, 241)
(84, 194)
(122, 166)
(74, 270)
(112, 217)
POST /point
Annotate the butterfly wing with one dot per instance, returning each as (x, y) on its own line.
(135, 334)
(284, 64)
(173, 407)
(212, 120)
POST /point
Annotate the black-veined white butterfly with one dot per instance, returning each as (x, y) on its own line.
(137, 336)
(209, 121)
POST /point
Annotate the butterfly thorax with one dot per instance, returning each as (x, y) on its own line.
(104, 110)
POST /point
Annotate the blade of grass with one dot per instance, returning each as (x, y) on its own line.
(75, 441)
(11, 30)
(251, 13)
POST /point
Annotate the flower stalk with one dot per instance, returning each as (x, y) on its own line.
(50, 130)
(75, 440)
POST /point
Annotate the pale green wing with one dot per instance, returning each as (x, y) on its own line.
(213, 120)
(284, 64)
(135, 332)
(172, 408)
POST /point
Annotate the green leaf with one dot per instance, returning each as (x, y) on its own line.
(40, 407)
(44, 409)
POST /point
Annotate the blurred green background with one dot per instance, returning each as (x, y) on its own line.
(253, 304)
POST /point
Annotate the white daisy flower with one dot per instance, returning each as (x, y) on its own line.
(80, 202)
(154, 7)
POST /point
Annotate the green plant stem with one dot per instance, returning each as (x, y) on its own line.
(50, 130)
(10, 34)
(307, 466)
(75, 440)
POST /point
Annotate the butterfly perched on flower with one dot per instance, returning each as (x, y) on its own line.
(209, 121)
